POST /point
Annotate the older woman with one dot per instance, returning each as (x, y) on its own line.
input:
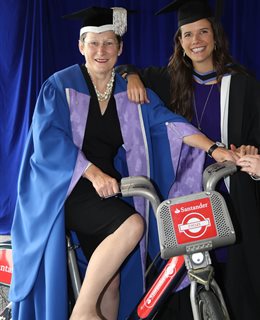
(85, 136)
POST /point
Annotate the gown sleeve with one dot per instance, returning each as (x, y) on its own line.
(187, 162)
(48, 163)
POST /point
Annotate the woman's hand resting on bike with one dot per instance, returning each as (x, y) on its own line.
(104, 185)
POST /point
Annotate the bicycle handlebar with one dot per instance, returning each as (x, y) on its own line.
(216, 171)
(142, 186)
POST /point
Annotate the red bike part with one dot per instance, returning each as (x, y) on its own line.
(6, 265)
(171, 269)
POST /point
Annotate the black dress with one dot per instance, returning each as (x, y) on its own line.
(91, 217)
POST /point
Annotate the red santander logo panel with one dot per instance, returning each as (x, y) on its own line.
(193, 221)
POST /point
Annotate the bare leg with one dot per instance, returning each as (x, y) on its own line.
(109, 299)
(104, 264)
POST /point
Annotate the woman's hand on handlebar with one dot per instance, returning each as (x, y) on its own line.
(104, 185)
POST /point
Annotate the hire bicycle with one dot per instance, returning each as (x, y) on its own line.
(6, 266)
(189, 227)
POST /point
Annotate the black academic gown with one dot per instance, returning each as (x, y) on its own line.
(240, 281)
(242, 277)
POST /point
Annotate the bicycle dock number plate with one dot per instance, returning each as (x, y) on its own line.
(6, 265)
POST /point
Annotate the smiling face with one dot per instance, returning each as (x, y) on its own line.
(197, 40)
(101, 51)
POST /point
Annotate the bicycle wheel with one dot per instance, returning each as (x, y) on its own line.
(210, 307)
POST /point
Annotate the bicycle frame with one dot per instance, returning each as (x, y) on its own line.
(197, 263)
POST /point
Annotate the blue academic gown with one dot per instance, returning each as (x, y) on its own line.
(51, 166)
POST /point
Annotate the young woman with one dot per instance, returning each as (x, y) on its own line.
(204, 84)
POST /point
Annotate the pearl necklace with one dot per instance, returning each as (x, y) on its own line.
(107, 93)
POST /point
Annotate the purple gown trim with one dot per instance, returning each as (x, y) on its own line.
(136, 150)
(79, 107)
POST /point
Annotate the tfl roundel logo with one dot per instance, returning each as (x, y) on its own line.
(193, 221)
(194, 225)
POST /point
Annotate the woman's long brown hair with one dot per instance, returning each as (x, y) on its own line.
(181, 69)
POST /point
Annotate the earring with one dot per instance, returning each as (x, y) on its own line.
(184, 54)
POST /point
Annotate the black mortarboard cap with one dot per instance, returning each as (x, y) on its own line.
(188, 10)
(99, 19)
